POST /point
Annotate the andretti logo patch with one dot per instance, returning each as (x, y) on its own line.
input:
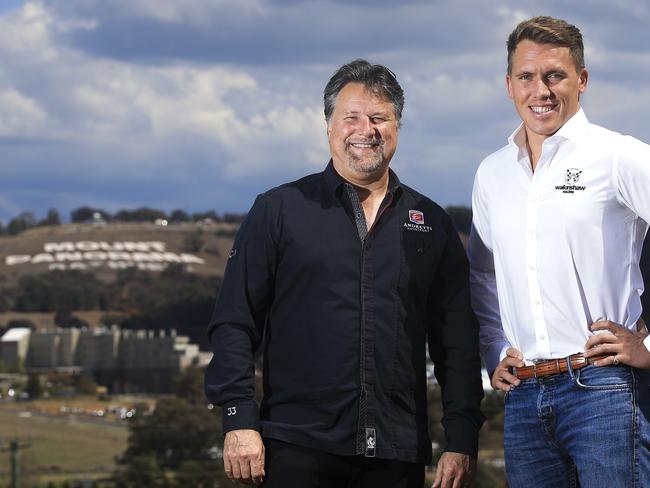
(416, 217)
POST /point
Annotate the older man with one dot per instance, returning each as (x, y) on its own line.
(342, 276)
(559, 219)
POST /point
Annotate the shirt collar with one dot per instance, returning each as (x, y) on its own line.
(335, 181)
(575, 128)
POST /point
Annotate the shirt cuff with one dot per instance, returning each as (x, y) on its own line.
(239, 415)
(462, 437)
(493, 356)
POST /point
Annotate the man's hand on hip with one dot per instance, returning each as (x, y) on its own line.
(622, 345)
(243, 456)
(502, 378)
(455, 470)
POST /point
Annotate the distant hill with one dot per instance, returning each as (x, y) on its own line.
(105, 249)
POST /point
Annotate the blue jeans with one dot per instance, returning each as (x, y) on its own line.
(586, 428)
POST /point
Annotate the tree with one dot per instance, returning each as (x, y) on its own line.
(461, 217)
(189, 432)
(234, 218)
(179, 215)
(66, 320)
(141, 471)
(85, 385)
(61, 291)
(34, 387)
(21, 323)
(209, 215)
(22, 222)
(142, 214)
(189, 385)
(52, 218)
(85, 214)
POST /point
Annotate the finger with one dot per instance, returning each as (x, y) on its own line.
(500, 384)
(447, 479)
(438, 479)
(604, 325)
(514, 353)
(257, 469)
(245, 468)
(227, 465)
(236, 471)
(604, 349)
(599, 339)
(508, 363)
(505, 375)
(614, 359)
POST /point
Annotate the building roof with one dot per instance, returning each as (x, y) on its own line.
(14, 335)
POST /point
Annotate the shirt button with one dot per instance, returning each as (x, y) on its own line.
(542, 337)
(537, 302)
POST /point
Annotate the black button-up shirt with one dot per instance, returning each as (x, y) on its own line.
(344, 317)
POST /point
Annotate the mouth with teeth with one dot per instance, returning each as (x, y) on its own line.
(542, 109)
(364, 144)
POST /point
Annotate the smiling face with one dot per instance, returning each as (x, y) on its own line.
(545, 87)
(362, 132)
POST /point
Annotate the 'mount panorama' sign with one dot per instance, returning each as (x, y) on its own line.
(147, 255)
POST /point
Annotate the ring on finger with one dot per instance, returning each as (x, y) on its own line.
(615, 362)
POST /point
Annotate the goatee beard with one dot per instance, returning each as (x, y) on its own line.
(366, 166)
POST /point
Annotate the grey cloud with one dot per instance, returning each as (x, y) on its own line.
(205, 103)
(284, 32)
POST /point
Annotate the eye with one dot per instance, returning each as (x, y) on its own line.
(556, 76)
(378, 120)
(525, 77)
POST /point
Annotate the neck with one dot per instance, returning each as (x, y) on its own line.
(534, 144)
(367, 184)
(371, 188)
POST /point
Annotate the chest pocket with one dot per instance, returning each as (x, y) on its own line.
(418, 263)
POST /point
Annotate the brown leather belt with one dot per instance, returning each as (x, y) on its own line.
(548, 367)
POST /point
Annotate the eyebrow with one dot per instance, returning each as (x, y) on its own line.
(373, 114)
(547, 72)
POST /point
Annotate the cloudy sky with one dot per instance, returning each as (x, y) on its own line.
(202, 104)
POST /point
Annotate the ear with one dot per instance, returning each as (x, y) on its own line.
(584, 77)
(509, 86)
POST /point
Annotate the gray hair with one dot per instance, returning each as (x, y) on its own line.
(376, 78)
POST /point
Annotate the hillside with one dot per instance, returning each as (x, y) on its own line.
(104, 250)
(137, 275)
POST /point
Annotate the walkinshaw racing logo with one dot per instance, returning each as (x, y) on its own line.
(570, 179)
(416, 222)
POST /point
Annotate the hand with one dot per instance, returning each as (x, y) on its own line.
(455, 470)
(622, 345)
(243, 456)
(502, 378)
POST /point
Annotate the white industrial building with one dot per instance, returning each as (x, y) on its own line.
(124, 360)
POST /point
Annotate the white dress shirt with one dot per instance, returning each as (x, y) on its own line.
(561, 245)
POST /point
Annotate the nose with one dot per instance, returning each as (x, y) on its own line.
(541, 89)
(366, 126)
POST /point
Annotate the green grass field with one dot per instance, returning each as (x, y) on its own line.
(60, 448)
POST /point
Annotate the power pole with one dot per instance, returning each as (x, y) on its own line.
(14, 448)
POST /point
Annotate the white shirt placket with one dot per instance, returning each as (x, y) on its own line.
(531, 243)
